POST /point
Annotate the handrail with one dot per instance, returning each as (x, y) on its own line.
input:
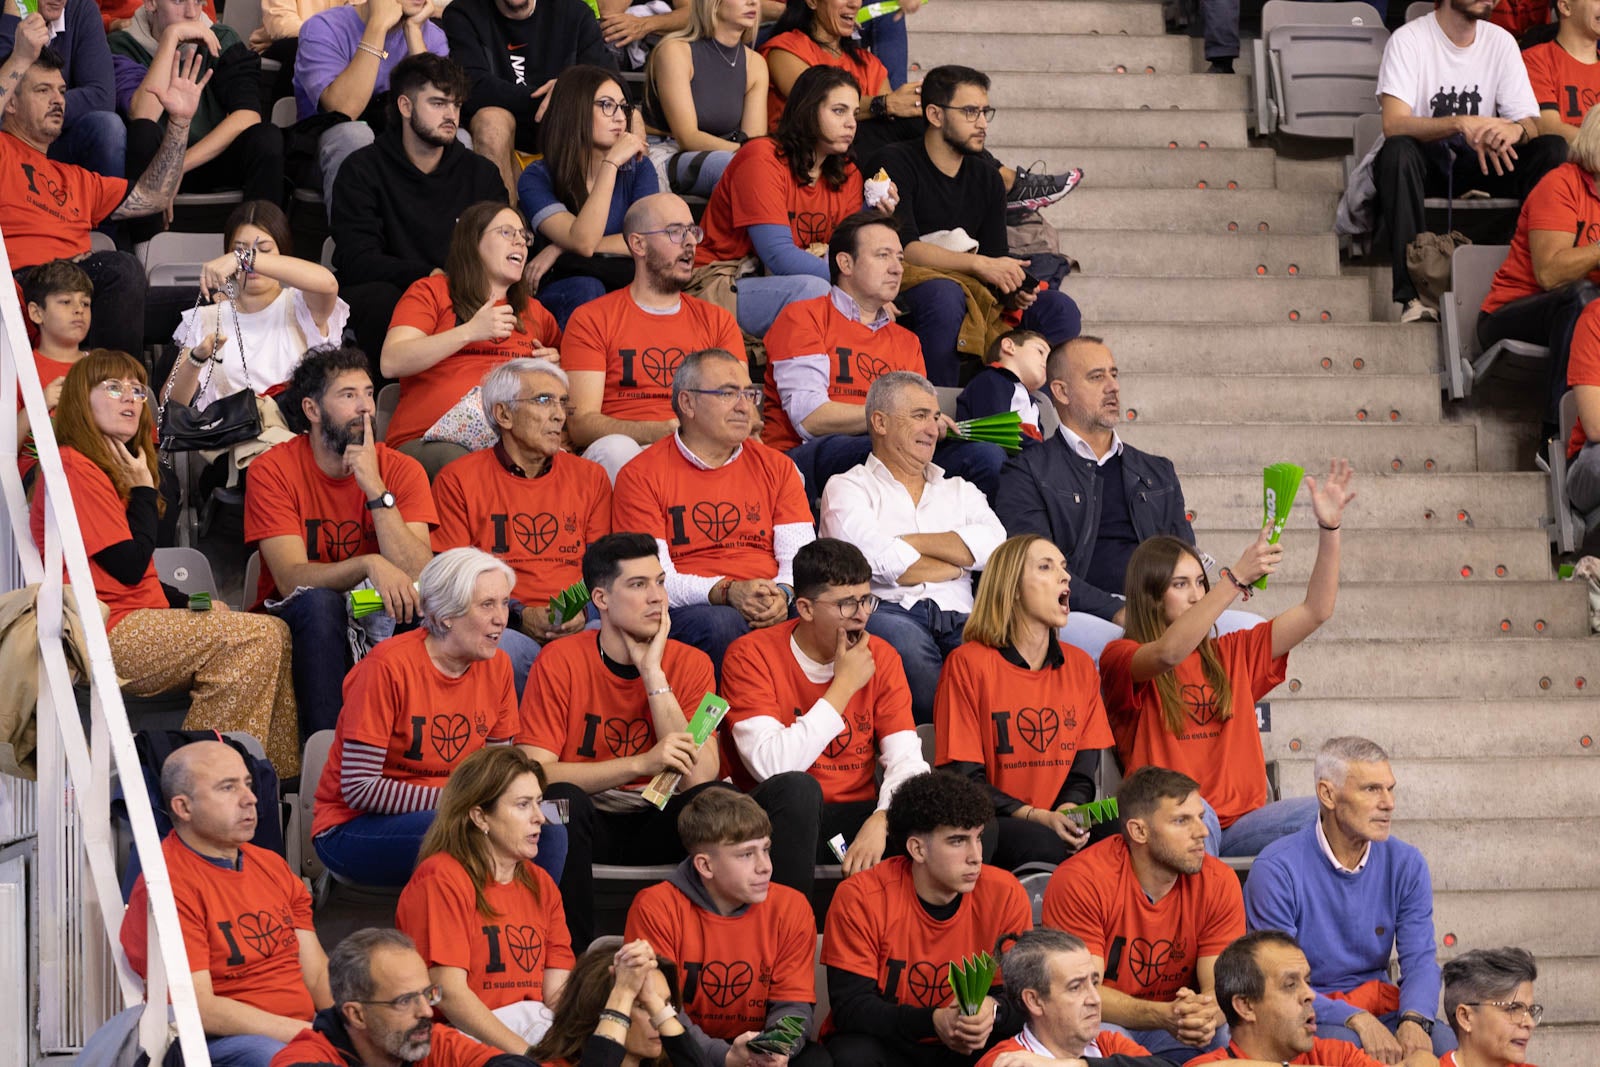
(64, 754)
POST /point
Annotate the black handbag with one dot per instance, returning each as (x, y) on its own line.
(226, 421)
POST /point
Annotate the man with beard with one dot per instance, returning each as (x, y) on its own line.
(1155, 912)
(945, 184)
(396, 201)
(622, 350)
(382, 1014)
(332, 509)
(93, 135)
(1459, 114)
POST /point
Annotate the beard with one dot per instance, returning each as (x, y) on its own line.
(339, 438)
(961, 145)
(663, 270)
(1176, 860)
(406, 1046)
(430, 136)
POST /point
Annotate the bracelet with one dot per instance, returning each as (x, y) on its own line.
(197, 362)
(246, 259)
(658, 692)
(620, 1018)
(659, 1019)
(613, 163)
(380, 53)
(1330, 529)
(1244, 590)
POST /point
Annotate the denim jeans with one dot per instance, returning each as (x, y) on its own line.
(523, 650)
(924, 634)
(761, 298)
(1444, 1040)
(1160, 1043)
(117, 321)
(381, 850)
(95, 140)
(1254, 831)
(320, 655)
(822, 457)
(243, 1050)
(711, 628)
(885, 37)
(1092, 634)
(935, 310)
(711, 169)
(566, 295)
(333, 148)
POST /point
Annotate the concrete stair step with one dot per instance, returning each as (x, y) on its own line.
(1566, 989)
(1312, 175)
(1267, 398)
(1047, 53)
(1377, 555)
(1230, 348)
(1549, 923)
(1250, 299)
(1091, 17)
(1563, 1044)
(1204, 92)
(1113, 253)
(1475, 668)
(1392, 502)
(1403, 611)
(1223, 447)
(1503, 790)
(1150, 166)
(1522, 855)
(1119, 127)
(1195, 210)
(1420, 728)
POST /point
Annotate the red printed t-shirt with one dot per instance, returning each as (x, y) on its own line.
(715, 522)
(238, 924)
(1025, 727)
(1517, 17)
(1225, 757)
(877, 929)
(1325, 1052)
(857, 356)
(506, 954)
(578, 708)
(427, 722)
(49, 370)
(1583, 368)
(449, 1047)
(639, 351)
(871, 75)
(288, 495)
(1149, 950)
(428, 394)
(1109, 1042)
(760, 676)
(731, 966)
(540, 526)
(103, 521)
(1564, 201)
(47, 208)
(757, 189)
(1561, 82)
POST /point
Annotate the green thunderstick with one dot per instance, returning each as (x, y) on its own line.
(364, 602)
(782, 1039)
(1279, 483)
(1004, 429)
(1094, 812)
(971, 979)
(567, 604)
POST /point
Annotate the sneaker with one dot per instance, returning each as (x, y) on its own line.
(1417, 311)
(1033, 190)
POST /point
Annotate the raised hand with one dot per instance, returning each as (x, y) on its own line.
(180, 97)
(1259, 559)
(1333, 495)
(131, 464)
(33, 34)
(492, 322)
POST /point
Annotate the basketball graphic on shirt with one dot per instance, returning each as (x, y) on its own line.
(340, 540)
(525, 944)
(535, 533)
(627, 737)
(716, 519)
(870, 368)
(660, 364)
(811, 227)
(724, 983)
(449, 734)
(259, 930)
(1038, 727)
(1146, 958)
(1201, 700)
(840, 743)
(925, 985)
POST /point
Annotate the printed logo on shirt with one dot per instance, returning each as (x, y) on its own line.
(811, 227)
(332, 540)
(526, 946)
(723, 984)
(1454, 101)
(840, 743)
(260, 931)
(449, 734)
(1579, 100)
(925, 985)
(626, 737)
(658, 365)
(1148, 960)
(519, 67)
(51, 189)
(1586, 233)
(1038, 728)
(1201, 701)
(535, 533)
(715, 519)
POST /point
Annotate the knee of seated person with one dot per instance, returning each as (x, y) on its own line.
(792, 787)
(105, 128)
(494, 130)
(579, 807)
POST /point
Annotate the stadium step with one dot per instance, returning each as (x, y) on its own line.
(1234, 348)
(1512, 853)
(1223, 447)
(1545, 922)
(1120, 128)
(1108, 253)
(1543, 788)
(1194, 210)
(1405, 611)
(1182, 91)
(1271, 300)
(1467, 668)
(1105, 18)
(1053, 53)
(1379, 555)
(1258, 398)
(1413, 728)
(1404, 501)
(1151, 166)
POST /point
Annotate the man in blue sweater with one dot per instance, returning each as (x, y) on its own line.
(1341, 877)
(93, 135)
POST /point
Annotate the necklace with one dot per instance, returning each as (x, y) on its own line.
(738, 50)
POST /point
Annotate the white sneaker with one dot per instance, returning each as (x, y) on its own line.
(1417, 311)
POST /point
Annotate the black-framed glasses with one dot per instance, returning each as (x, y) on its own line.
(513, 233)
(751, 393)
(608, 106)
(543, 400)
(972, 111)
(405, 1001)
(1514, 1008)
(124, 390)
(677, 232)
(851, 606)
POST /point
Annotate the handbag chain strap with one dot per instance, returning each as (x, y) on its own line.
(231, 287)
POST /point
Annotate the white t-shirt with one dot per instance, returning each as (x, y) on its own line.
(1425, 69)
(272, 344)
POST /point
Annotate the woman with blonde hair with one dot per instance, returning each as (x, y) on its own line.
(618, 1010)
(1179, 698)
(235, 665)
(1018, 711)
(487, 920)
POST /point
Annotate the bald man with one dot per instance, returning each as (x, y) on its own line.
(259, 973)
(621, 351)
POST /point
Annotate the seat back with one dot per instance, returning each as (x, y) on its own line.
(388, 400)
(176, 258)
(1368, 129)
(284, 110)
(926, 736)
(1472, 270)
(1419, 9)
(186, 570)
(242, 17)
(1323, 64)
(252, 579)
(315, 757)
(327, 253)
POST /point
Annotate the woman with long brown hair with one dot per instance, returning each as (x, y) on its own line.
(450, 330)
(235, 666)
(618, 1008)
(487, 920)
(1182, 699)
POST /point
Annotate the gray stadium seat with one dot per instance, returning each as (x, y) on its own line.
(1472, 270)
(176, 258)
(187, 570)
(388, 399)
(1419, 9)
(1566, 525)
(252, 578)
(284, 111)
(1316, 67)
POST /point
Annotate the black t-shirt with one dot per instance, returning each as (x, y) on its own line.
(974, 200)
(506, 59)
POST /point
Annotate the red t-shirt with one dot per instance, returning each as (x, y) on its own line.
(505, 954)
(49, 370)
(732, 966)
(639, 350)
(103, 521)
(758, 189)
(1325, 1052)
(427, 722)
(429, 394)
(1583, 366)
(47, 208)
(1519, 16)
(876, 928)
(715, 522)
(1025, 727)
(288, 495)
(760, 676)
(856, 354)
(1109, 1042)
(1564, 201)
(871, 75)
(540, 526)
(578, 708)
(449, 1047)
(1149, 950)
(1225, 757)
(1562, 82)
(239, 925)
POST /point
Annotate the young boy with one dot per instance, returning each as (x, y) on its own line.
(744, 945)
(57, 295)
(1010, 382)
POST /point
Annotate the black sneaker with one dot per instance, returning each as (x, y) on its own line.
(1033, 189)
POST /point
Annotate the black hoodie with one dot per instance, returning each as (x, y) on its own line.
(391, 222)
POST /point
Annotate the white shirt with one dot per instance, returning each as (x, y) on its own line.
(867, 507)
(1327, 850)
(1435, 77)
(275, 341)
(1082, 448)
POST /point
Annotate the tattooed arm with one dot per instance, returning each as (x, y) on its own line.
(32, 34)
(180, 97)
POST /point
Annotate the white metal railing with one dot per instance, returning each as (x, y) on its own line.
(81, 966)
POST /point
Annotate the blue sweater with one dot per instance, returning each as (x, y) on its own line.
(1348, 924)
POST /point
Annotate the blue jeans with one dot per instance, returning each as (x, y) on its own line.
(564, 296)
(885, 37)
(243, 1050)
(95, 140)
(320, 655)
(761, 298)
(1160, 1043)
(333, 148)
(381, 850)
(924, 634)
(711, 628)
(822, 457)
(523, 650)
(1092, 634)
(1444, 1040)
(711, 169)
(935, 310)
(1254, 831)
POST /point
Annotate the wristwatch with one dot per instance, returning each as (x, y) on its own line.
(384, 501)
(1420, 1019)
(878, 107)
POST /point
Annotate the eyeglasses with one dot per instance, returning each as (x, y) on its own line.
(542, 400)
(972, 111)
(124, 390)
(512, 233)
(851, 606)
(406, 1001)
(608, 106)
(677, 232)
(751, 393)
(1514, 1008)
